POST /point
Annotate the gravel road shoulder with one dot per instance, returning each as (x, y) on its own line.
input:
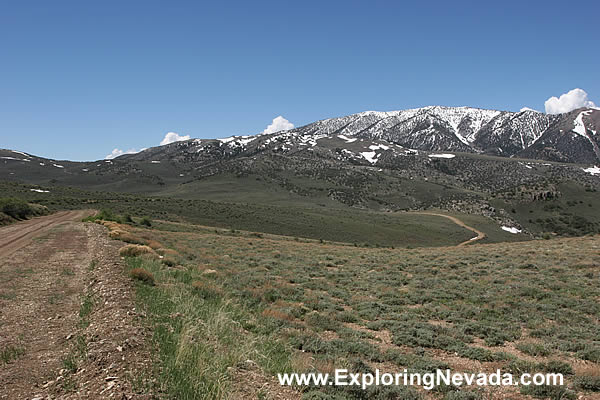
(69, 328)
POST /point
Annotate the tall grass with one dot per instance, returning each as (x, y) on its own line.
(202, 339)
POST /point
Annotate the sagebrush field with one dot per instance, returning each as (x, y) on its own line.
(223, 298)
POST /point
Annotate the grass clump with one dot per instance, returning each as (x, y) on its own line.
(165, 252)
(142, 275)
(169, 262)
(124, 236)
(87, 305)
(134, 250)
(207, 290)
(11, 353)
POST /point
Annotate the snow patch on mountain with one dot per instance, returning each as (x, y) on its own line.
(226, 140)
(441, 156)
(370, 156)
(347, 139)
(579, 127)
(237, 141)
(379, 147)
(592, 170)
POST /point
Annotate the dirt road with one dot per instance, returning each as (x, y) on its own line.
(68, 324)
(15, 236)
(480, 235)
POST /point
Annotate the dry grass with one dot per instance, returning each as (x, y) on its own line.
(277, 314)
(126, 237)
(420, 309)
(134, 250)
(111, 225)
(169, 262)
(154, 244)
(165, 252)
(142, 275)
(207, 290)
(119, 232)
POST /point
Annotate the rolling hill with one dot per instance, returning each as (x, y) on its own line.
(528, 171)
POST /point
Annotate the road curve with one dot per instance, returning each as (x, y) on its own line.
(18, 235)
(480, 235)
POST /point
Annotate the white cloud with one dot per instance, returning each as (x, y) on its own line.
(118, 152)
(569, 101)
(170, 137)
(279, 124)
(173, 137)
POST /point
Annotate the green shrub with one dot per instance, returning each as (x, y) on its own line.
(548, 392)
(534, 349)
(146, 221)
(588, 382)
(321, 322)
(19, 209)
(463, 395)
(558, 367)
(590, 353)
(346, 316)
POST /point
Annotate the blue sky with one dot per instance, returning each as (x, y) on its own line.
(80, 78)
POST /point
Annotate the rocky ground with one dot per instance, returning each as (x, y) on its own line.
(69, 327)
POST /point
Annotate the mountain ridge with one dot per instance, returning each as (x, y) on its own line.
(571, 137)
(506, 166)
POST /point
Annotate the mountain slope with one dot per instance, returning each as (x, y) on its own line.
(466, 129)
(570, 137)
(363, 161)
(410, 159)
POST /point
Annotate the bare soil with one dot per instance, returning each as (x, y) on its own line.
(50, 350)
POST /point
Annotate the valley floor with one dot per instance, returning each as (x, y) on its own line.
(212, 313)
(252, 305)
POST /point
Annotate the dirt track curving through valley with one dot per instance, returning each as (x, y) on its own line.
(480, 235)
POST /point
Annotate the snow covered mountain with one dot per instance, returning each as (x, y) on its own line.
(400, 140)
(442, 128)
(432, 156)
(570, 137)
(475, 130)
